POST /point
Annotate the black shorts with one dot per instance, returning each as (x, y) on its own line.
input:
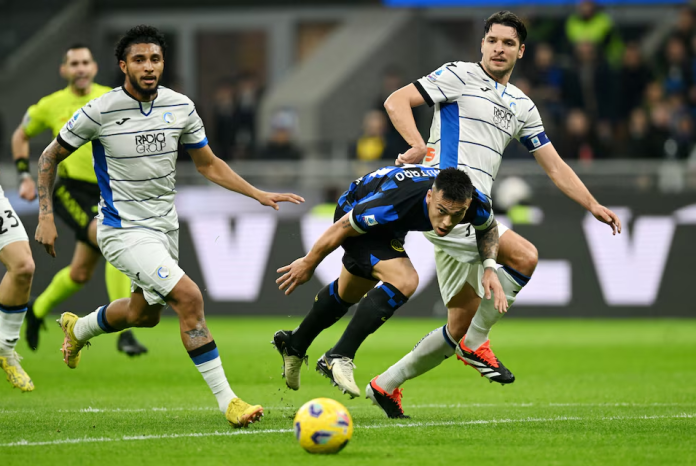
(75, 202)
(364, 251)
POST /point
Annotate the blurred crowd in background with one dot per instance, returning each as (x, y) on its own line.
(600, 95)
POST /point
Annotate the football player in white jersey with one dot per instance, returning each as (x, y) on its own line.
(15, 287)
(477, 113)
(135, 131)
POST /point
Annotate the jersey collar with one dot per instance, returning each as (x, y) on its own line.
(499, 88)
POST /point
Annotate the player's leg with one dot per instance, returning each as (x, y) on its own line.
(519, 258)
(330, 304)
(65, 283)
(118, 286)
(14, 295)
(436, 346)
(399, 282)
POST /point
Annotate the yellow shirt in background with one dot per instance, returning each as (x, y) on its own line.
(52, 112)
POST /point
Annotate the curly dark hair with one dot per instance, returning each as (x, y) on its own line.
(142, 34)
(454, 184)
(507, 18)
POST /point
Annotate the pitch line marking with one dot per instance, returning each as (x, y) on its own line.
(25, 443)
(416, 406)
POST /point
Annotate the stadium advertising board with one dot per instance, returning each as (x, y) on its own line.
(231, 247)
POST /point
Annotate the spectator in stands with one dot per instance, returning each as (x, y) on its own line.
(546, 81)
(392, 80)
(589, 24)
(589, 85)
(681, 144)
(579, 141)
(643, 142)
(248, 98)
(677, 72)
(685, 28)
(633, 78)
(660, 124)
(372, 143)
(280, 145)
(654, 95)
(223, 118)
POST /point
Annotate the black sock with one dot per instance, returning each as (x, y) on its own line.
(328, 309)
(378, 305)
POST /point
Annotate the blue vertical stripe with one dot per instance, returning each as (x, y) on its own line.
(111, 217)
(449, 135)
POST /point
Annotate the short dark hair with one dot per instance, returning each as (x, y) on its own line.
(507, 18)
(454, 184)
(75, 46)
(142, 34)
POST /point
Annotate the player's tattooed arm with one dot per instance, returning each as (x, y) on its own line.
(46, 233)
(488, 242)
(48, 162)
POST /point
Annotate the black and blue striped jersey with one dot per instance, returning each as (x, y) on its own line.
(392, 200)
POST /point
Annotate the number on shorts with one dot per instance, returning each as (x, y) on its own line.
(10, 216)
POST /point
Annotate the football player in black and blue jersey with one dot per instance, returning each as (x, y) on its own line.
(371, 222)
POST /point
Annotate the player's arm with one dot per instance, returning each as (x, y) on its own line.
(398, 106)
(221, 174)
(570, 184)
(488, 242)
(301, 270)
(46, 233)
(20, 155)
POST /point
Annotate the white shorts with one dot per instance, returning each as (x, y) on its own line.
(457, 260)
(149, 258)
(11, 227)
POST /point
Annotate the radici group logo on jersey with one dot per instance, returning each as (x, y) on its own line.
(150, 142)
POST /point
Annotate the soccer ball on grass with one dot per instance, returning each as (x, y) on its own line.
(323, 425)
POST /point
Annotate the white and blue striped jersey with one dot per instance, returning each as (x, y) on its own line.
(475, 119)
(134, 151)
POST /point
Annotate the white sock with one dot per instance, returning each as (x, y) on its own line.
(429, 353)
(486, 315)
(11, 318)
(88, 327)
(209, 365)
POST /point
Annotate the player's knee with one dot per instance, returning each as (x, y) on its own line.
(24, 270)
(190, 302)
(529, 259)
(147, 320)
(80, 275)
(408, 284)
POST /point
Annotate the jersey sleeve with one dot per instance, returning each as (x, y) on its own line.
(193, 135)
(480, 212)
(377, 210)
(34, 122)
(444, 84)
(83, 127)
(532, 133)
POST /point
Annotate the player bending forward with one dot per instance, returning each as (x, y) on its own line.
(135, 130)
(371, 222)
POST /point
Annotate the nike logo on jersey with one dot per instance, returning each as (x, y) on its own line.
(484, 89)
(122, 121)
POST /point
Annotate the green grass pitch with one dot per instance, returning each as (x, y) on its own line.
(587, 392)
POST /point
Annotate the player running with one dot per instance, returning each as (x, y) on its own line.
(15, 255)
(371, 220)
(135, 130)
(76, 195)
(477, 113)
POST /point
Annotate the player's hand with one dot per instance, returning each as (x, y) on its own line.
(605, 215)
(295, 274)
(272, 199)
(46, 234)
(27, 189)
(413, 155)
(492, 284)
